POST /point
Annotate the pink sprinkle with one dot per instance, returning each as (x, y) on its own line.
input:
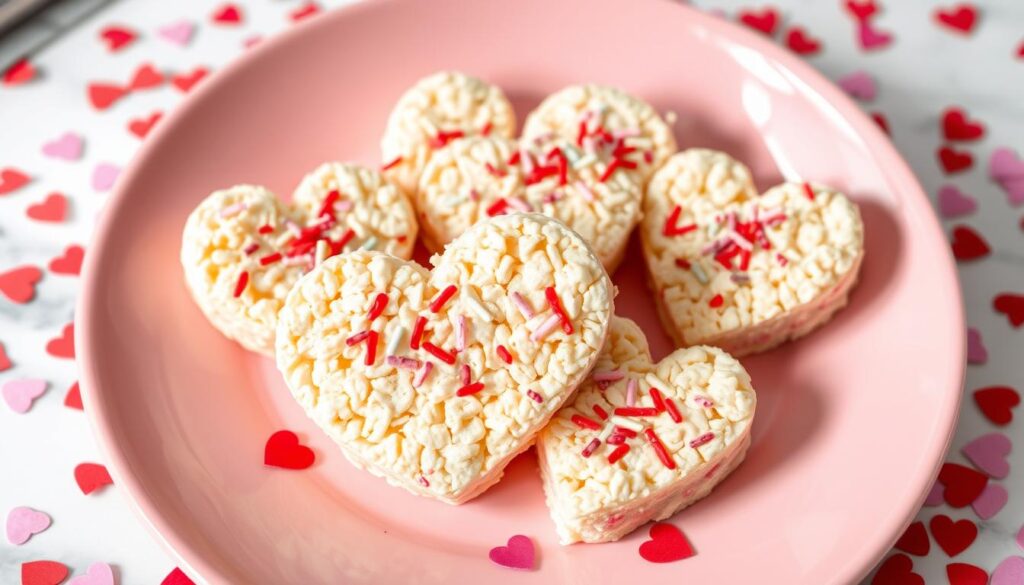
(740, 241)
(534, 396)
(323, 221)
(522, 305)
(631, 393)
(608, 376)
(731, 220)
(343, 205)
(423, 482)
(545, 328)
(782, 259)
(406, 363)
(774, 219)
(251, 248)
(519, 204)
(626, 133)
(422, 374)
(232, 210)
(296, 260)
(739, 277)
(705, 438)
(460, 333)
(526, 161)
(591, 447)
(357, 338)
(703, 401)
(293, 228)
(585, 191)
(465, 375)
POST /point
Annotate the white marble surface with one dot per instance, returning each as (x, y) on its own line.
(925, 70)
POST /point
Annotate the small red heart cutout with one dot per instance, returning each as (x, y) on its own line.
(801, 43)
(117, 37)
(914, 540)
(145, 77)
(21, 71)
(11, 179)
(43, 573)
(518, 554)
(63, 346)
(283, 450)
(19, 284)
(103, 95)
(997, 402)
(1011, 305)
(305, 11)
(140, 127)
(964, 574)
(960, 18)
(73, 399)
(953, 537)
(861, 10)
(54, 208)
(897, 570)
(70, 262)
(227, 14)
(667, 544)
(963, 484)
(953, 160)
(968, 244)
(882, 122)
(5, 362)
(957, 126)
(185, 81)
(764, 20)
(177, 577)
(91, 477)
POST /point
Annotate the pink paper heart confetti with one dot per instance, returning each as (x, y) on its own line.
(1014, 190)
(1020, 537)
(953, 202)
(990, 502)
(988, 453)
(934, 497)
(1004, 164)
(1009, 572)
(104, 175)
(519, 554)
(977, 353)
(67, 147)
(179, 33)
(871, 38)
(23, 522)
(860, 85)
(97, 574)
(19, 394)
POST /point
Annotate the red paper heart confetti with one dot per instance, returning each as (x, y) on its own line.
(964, 574)
(1011, 305)
(861, 10)
(667, 544)
(117, 37)
(54, 208)
(957, 126)
(43, 573)
(305, 11)
(227, 14)
(21, 71)
(19, 284)
(70, 262)
(1020, 50)
(764, 20)
(968, 244)
(953, 161)
(185, 81)
(997, 403)
(140, 127)
(518, 554)
(11, 179)
(953, 537)
(897, 570)
(963, 484)
(73, 399)
(177, 577)
(103, 95)
(871, 38)
(283, 450)
(145, 77)
(5, 362)
(801, 43)
(881, 120)
(63, 346)
(960, 18)
(91, 477)
(914, 540)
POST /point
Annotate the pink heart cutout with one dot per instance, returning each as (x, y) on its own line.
(934, 497)
(179, 33)
(871, 38)
(19, 394)
(104, 175)
(990, 501)
(1004, 164)
(976, 351)
(988, 453)
(97, 574)
(860, 85)
(1014, 190)
(23, 522)
(519, 554)
(67, 147)
(953, 202)
(1009, 572)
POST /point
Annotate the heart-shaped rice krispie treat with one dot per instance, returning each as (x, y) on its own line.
(440, 108)
(476, 178)
(604, 120)
(742, 271)
(242, 248)
(641, 441)
(436, 379)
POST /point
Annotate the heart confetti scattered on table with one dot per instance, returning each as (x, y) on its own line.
(69, 262)
(965, 574)
(954, 161)
(801, 43)
(956, 126)
(977, 353)
(43, 573)
(227, 14)
(934, 497)
(63, 346)
(860, 85)
(963, 484)
(960, 18)
(1009, 572)
(11, 180)
(140, 127)
(997, 403)
(765, 20)
(103, 95)
(519, 553)
(871, 38)
(953, 202)
(667, 544)
(19, 284)
(67, 147)
(991, 501)
(20, 394)
(5, 362)
(305, 11)
(897, 570)
(91, 477)
(73, 399)
(179, 33)
(284, 450)
(1011, 305)
(1007, 170)
(988, 453)
(145, 77)
(185, 81)
(968, 244)
(97, 574)
(117, 37)
(861, 9)
(914, 540)
(52, 209)
(21, 71)
(24, 522)
(104, 175)
(177, 577)
(953, 537)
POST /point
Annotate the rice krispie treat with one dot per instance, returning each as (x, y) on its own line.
(480, 177)
(436, 379)
(742, 271)
(242, 249)
(436, 110)
(600, 119)
(641, 441)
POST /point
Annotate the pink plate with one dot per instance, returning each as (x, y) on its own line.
(852, 422)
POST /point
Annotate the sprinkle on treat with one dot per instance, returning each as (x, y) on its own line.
(442, 298)
(504, 354)
(631, 392)
(701, 440)
(233, 210)
(265, 229)
(534, 396)
(357, 338)
(371, 348)
(716, 301)
(591, 447)
(618, 453)
(439, 353)
(421, 374)
(417, 332)
(659, 448)
(465, 375)
(243, 281)
(545, 328)
(522, 305)
(608, 376)
(636, 411)
(460, 333)
(470, 389)
(658, 399)
(380, 302)
(391, 163)
(556, 306)
(673, 412)
(405, 363)
(600, 412)
(497, 208)
(395, 340)
(809, 191)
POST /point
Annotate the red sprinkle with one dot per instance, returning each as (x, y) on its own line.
(497, 207)
(616, 439)
(636, 411)
(534, 396)
(357, 338)
(493, 171)
(585, 422)
(628, 433)
(391, 163)
(556, 306)
(683, 263)
(345, 238)
(486, 130)
(442, 298)
(265, 229)
(612, 166)
(514, 159)
(600, 412)
(417, 332)
(504, 354)
(371, 347)
(705, 438)
(377, 308)
(582, 133)
(591, 447)
(716, 301)
(470, 389)
(444, 137)
(673, 412)
(618, 453)
(671, 229)
(659, 400)
(648, 157)
(243, 280)
(809, 191)
(659, 448)
(439, 353)
(328, 206)
(270, 258)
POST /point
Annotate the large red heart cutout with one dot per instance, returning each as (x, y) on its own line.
(283, 450)
(43, 573)
(667, 544)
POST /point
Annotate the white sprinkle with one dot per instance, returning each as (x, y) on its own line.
(740, 241)
(522, 305)
(699, 273)
(322, 250)
(627, 423)
(295, 260)
(585, 191)
(233, 210)
(422, 374)
(519, 204)
(631, 392)
(369, 244)
(476, 306)
(396, 338)
(293, 228)
(585, 161)
(605, 432)
(526, 161)
(283, 239)
(545, 328)
(656, 382)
